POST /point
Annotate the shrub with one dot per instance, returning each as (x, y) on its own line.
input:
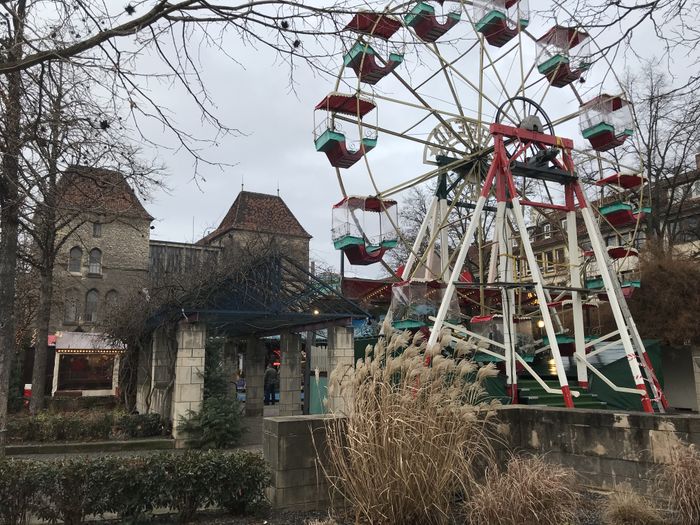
(84, 426)
(679, 481)
(71, 490)
(136, 488)
(218, 424)
(234, 481)
(529, 492)
(139, 425)
(415, 434)
(17, 490)
(626, 507)
(240, 482)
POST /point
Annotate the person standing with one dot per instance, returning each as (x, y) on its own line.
(270, 384)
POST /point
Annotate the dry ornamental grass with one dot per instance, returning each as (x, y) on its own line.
(529, 492)
(626, 507)
(415, 435)
(679, 481)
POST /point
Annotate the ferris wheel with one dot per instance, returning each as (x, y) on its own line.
(510, 122)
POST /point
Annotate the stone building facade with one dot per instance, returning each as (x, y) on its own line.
(102, 259)
(257, 222)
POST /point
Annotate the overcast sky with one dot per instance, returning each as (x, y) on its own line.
(277, 150)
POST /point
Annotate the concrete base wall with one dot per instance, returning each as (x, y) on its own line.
(605, 448)
(289, 445)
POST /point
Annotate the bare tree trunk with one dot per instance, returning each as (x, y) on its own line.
(9, 225)
(42, 343)
(9, 219)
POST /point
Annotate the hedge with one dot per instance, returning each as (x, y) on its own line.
(84, 426)
(72, 490)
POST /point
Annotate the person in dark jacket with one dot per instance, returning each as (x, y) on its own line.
(270, 384)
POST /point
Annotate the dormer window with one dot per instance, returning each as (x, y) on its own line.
(547, 231)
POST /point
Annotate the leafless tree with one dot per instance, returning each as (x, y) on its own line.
(108, 39)
(69, 141)
(667, 140)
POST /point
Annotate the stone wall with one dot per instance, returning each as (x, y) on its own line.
(341, 358)
(188, 388)
(604, 447)
(124, 246)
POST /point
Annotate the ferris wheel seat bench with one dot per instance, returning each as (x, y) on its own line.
(362, 255)
(559, 72)
(333, 144)
(362, 59)
(621, 214)
(565, 343)
(623, 180)
(494, 26)
(603, 136)
(424, 22)
(616, 252)
(628, 288)
(374, 24)
(348, 240)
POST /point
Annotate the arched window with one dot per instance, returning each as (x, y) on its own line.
(95, 262)
(75, 259)
(111, 299)
(92, 298)
(70, 311)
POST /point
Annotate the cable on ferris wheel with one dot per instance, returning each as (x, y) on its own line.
(425, 23)
(564, 55)
(500, 21)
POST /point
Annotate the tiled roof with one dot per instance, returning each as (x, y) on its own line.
(98, 190)
(258, 212)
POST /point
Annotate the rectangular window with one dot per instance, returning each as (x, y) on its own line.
(547, 231)
(97, 229)
(560, 255)
(563, 226)
(85, 371)
(549, 262)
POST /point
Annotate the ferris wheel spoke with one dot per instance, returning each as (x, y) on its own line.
(446, 65)
(615, 164)
(566, 118)
(420, 179)
(380, 129)
(462, 77)
(437, 114)
(429, 109)
(492, 66)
